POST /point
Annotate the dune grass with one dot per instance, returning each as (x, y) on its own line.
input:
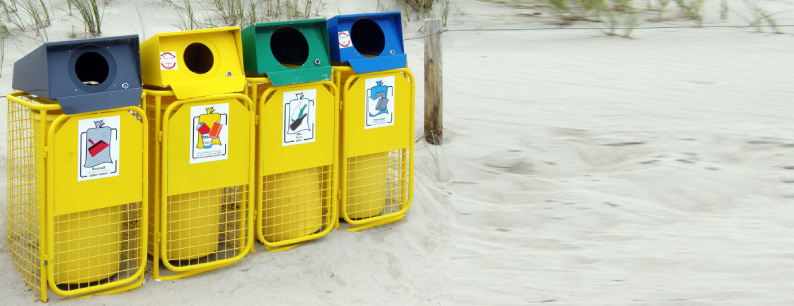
(425, 8)
(25, 15)
(624, 14)
(760, 17)
(2, 51)
(243, 12)
(187, 18)
(90, 15)
(612, 14)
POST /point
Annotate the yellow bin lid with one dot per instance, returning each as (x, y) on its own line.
(194, 63)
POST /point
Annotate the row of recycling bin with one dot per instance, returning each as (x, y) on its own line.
(171, 156)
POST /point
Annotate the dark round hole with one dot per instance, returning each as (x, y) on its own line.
(91, 68)
(289, 47)
(198, 58)
(367, 37)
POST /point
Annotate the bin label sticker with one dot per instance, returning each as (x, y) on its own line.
(379, 109)
(168, 60)
(344, 40)
(209, 133)
(99, 148)
(299, 116)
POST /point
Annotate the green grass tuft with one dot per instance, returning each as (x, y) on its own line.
(90, 15)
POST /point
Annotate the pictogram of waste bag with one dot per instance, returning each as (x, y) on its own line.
(98, 144)
(367, 42)
(83, 75)
(288, 52)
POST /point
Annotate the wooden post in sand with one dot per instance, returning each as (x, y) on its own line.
(434, 107)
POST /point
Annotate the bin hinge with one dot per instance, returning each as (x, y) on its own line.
(256, 120)
(340, 104)
(339, 196)
(44, 259)
(44, 152)
(158, 237)
(160, 136)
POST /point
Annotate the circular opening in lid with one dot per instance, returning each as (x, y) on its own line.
(91, 68)
(198, 58)
(289, 47)
(367, 37)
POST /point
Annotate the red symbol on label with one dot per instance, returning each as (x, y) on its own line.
(168, 60)
(216, 130)
(96, 147)
(344, 40)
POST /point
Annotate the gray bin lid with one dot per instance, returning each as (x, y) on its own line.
(84, 75)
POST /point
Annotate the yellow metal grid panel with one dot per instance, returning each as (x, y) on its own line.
(88, 251)
(297, 195)
(25, 205)
(378, 167)
(377, 184)
(296, 203)
(97, 247)
(206, 226)
(192, 232)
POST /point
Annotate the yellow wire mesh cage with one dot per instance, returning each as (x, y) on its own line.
(377, 123)
(200, 215)
(297, 141)
(376, 183)
(66, 232)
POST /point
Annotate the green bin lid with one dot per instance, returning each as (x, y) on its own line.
(288, 52)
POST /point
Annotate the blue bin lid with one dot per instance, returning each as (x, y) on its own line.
(367, 42)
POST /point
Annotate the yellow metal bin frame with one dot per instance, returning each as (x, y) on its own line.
(73, 243)
(296, 187)
(199, 230)
(377, 164)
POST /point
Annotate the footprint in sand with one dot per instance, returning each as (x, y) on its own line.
(771, 140)
(612, 141)
(511, 162)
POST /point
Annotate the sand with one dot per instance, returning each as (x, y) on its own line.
(577, 169)
(608, 171)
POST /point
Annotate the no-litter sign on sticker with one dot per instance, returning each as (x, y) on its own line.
(344, 40)
(168, 60)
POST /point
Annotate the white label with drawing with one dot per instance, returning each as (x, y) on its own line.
(209, 133)
(299, 117)
(99, 148)
(379, 106)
